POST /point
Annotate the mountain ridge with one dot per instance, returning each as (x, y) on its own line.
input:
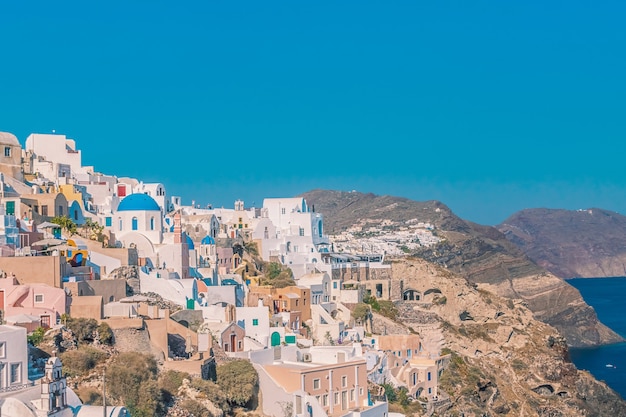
(571, 243)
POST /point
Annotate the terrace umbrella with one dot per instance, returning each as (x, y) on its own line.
(48, 242)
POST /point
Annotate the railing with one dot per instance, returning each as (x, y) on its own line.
(17, 387)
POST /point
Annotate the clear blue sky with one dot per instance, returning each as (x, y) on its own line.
(487, 106)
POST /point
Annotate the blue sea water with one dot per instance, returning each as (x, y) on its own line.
(607, 296)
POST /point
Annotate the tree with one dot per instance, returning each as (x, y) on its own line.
(93, 230)
(66, 224)
(251, 248)
(277, 275)
(131, 379)
(84, 329)
(36, 337)
(360, 313)
(105, 334)
(238, 380)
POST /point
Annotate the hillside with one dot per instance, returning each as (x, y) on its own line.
(581, 243)
(481, 254)
(503, 361)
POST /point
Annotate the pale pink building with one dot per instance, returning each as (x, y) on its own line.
(335, 378)
(41, 302)
(411, 364)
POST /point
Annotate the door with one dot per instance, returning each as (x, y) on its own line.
(233, 342)
(275, 339)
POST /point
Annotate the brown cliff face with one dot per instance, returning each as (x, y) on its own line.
(503, 361)
(481, 254)
(570, 244)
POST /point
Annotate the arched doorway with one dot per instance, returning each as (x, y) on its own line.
(275, 339)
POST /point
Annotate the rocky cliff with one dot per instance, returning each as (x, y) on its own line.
(481, 254)
(581, 243)
(503, 361)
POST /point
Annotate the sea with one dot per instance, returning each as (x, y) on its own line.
(606, 363)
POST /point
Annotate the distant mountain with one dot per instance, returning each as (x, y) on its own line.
(481, 254)
(568, 243)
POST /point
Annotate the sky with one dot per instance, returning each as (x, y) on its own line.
(487, 106)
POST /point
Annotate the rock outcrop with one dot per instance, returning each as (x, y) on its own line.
(503, 360)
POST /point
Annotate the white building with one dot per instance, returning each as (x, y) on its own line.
(138, 220)
(256, 323)
(298, 237)
(319, 283)
(13, 358)
(54, 156)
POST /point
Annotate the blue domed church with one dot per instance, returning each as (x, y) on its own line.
(138, 220)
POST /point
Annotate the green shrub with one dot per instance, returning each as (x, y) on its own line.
(212, 392)
(80, 361)
(388, 309)
(238, 380)
(84, 329)
(105, 333)
(170, 381)
(131, 379)
(36, 337)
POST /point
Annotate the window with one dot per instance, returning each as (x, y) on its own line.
(3, 350)
(75, 214)
(430, 390)
(16, 374)
(429, 376)
(352, 395)
(151, 223)
(325, 400)
(121, 224)
(107, 221)
(336, 398)
(39, 298)
(297, 303)
(44, 210)
(61, 211)
(301, 231)
(239, 344)
(282, 211)
(335, 285)
(344, 381)
(316, 383)
(134, 223)
(361, 392)
(408, 353)
(255, 322)
(7, 151)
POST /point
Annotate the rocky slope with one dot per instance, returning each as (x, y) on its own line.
(503, 361)
(481, 254)
(582, 243)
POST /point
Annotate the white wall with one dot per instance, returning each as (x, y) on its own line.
(261, 331)
(15, 352)
(106, 263)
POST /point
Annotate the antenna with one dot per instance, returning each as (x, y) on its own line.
(104, 396)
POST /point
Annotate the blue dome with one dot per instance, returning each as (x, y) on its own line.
(190, 242)
(208, 240)
(138, 202)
